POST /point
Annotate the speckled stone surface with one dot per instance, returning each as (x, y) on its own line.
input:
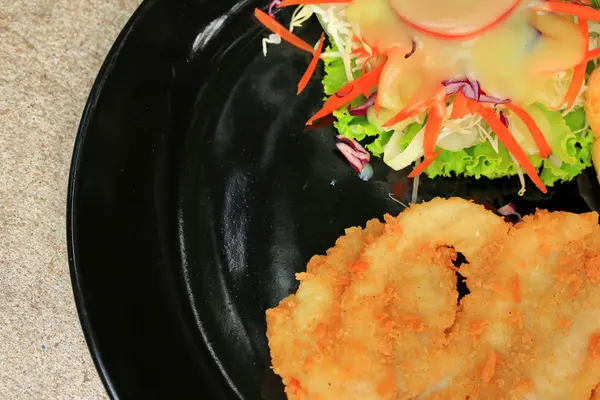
(50, 52)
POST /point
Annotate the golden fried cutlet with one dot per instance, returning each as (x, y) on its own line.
(377, 318)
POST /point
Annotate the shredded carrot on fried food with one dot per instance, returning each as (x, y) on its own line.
(312, 66)
(433, 126)
(459, 106)
(568, 8)
(286, 3)
(424, 165)
(415, 106)
(274, 26)
(509, 141)
(348, 93)
(535, 131)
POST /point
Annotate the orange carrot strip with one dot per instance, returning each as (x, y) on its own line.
(433, 126)
(579, 71)
(591, 55)
(424, 165)
(356, 39)
(360, 52)
(509, 141)
(364, 69)
(286, 3)
(348, 93)
(312, 66)
(377, 106)
(537, 135)
(415, 106)
(274, 26)
(459, 106)
(568, 8)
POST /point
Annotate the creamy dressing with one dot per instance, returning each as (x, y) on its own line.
(517, 58)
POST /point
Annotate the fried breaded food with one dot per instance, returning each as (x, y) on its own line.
(377, 317)
(531, 325)
(351, 329)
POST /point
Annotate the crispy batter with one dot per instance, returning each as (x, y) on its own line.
(377, 317)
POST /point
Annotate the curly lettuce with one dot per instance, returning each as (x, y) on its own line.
(571, 141)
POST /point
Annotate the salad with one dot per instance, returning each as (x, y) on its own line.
(454, 87)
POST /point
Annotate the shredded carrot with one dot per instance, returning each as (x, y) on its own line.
(537, 135)
(363, 71)
(361, 52)
(459, 106)
(377, 106)
(415, 106)
(516, 289)
(509, 141)
(348, 93)
(356, 39)
(365, 65)
(424, 165)
(579, 71)
(591, 55)
(433, 126)
(286, 3)
(579, 11)
(489, 369)
(312, 66)
(274, 26)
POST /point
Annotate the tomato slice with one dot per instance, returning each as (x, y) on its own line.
(458, 19)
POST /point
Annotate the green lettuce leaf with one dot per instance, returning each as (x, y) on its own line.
(571, 142)
(335, 74)
(357, 128)
(571, 151)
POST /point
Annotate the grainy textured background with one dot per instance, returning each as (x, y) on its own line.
(50, 52)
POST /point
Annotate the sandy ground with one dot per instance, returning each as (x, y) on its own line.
(50, 52)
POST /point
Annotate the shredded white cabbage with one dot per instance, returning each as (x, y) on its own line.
(300, 15)
(340, 31)
(271, 39)
(398, 159)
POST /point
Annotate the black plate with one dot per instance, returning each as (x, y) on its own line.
(195, 195)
